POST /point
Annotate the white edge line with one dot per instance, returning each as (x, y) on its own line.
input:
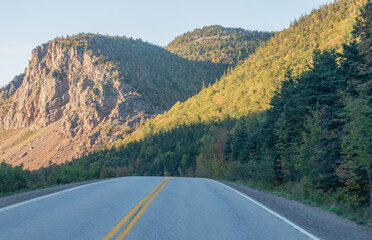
(45, 196)
(274, 213)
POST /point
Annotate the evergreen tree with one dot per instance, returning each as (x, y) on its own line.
(357, 142)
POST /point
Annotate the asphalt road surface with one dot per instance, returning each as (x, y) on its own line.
(146, 208)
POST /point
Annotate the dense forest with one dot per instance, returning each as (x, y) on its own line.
(218, 44)
(312, 139)
(318, 131)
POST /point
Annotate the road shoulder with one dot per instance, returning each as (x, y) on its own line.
(324, 224)
(24, 196)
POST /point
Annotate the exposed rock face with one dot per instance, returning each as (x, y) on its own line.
(10, 89)
(66, 86)
(86, 91)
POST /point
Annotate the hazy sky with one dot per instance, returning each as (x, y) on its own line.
(26, 24)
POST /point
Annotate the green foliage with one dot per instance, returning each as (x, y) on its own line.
(319, 129)
(303, 131)
(354, 184)
(313, 155)
(208, 162)
(357, 142)
(58, 75)
(218, 44)
(12, 178)
(261, 170)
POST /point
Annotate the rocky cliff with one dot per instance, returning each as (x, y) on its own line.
(66, 86)
(75, 89)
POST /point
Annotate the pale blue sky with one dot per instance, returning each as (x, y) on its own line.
(26, 24)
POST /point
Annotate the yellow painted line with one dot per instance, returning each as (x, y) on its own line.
(139, 214)
(126, 218)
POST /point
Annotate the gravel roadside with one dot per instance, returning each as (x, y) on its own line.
(20, 197)
(323, 224)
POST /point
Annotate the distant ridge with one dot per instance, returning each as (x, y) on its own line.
(218, 44)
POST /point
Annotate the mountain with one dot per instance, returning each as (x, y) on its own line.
(294, 118)
(218, 44)
(190, 138)
(82, 92)
(249, 87)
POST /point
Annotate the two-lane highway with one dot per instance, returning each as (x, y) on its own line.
(146, 208)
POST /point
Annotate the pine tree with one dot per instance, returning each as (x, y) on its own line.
(357, 142)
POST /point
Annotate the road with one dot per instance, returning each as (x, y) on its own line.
(175, 208)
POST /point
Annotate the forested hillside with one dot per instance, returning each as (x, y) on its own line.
(295, 117)
(250, 86)
(318, 131)
(218, 44)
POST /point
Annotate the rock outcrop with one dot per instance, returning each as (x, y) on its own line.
(9, 90)
(67, 86)
(80, 89)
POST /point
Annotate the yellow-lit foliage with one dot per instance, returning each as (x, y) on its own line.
(249, 87)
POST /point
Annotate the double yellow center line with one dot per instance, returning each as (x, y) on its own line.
(134, 220)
